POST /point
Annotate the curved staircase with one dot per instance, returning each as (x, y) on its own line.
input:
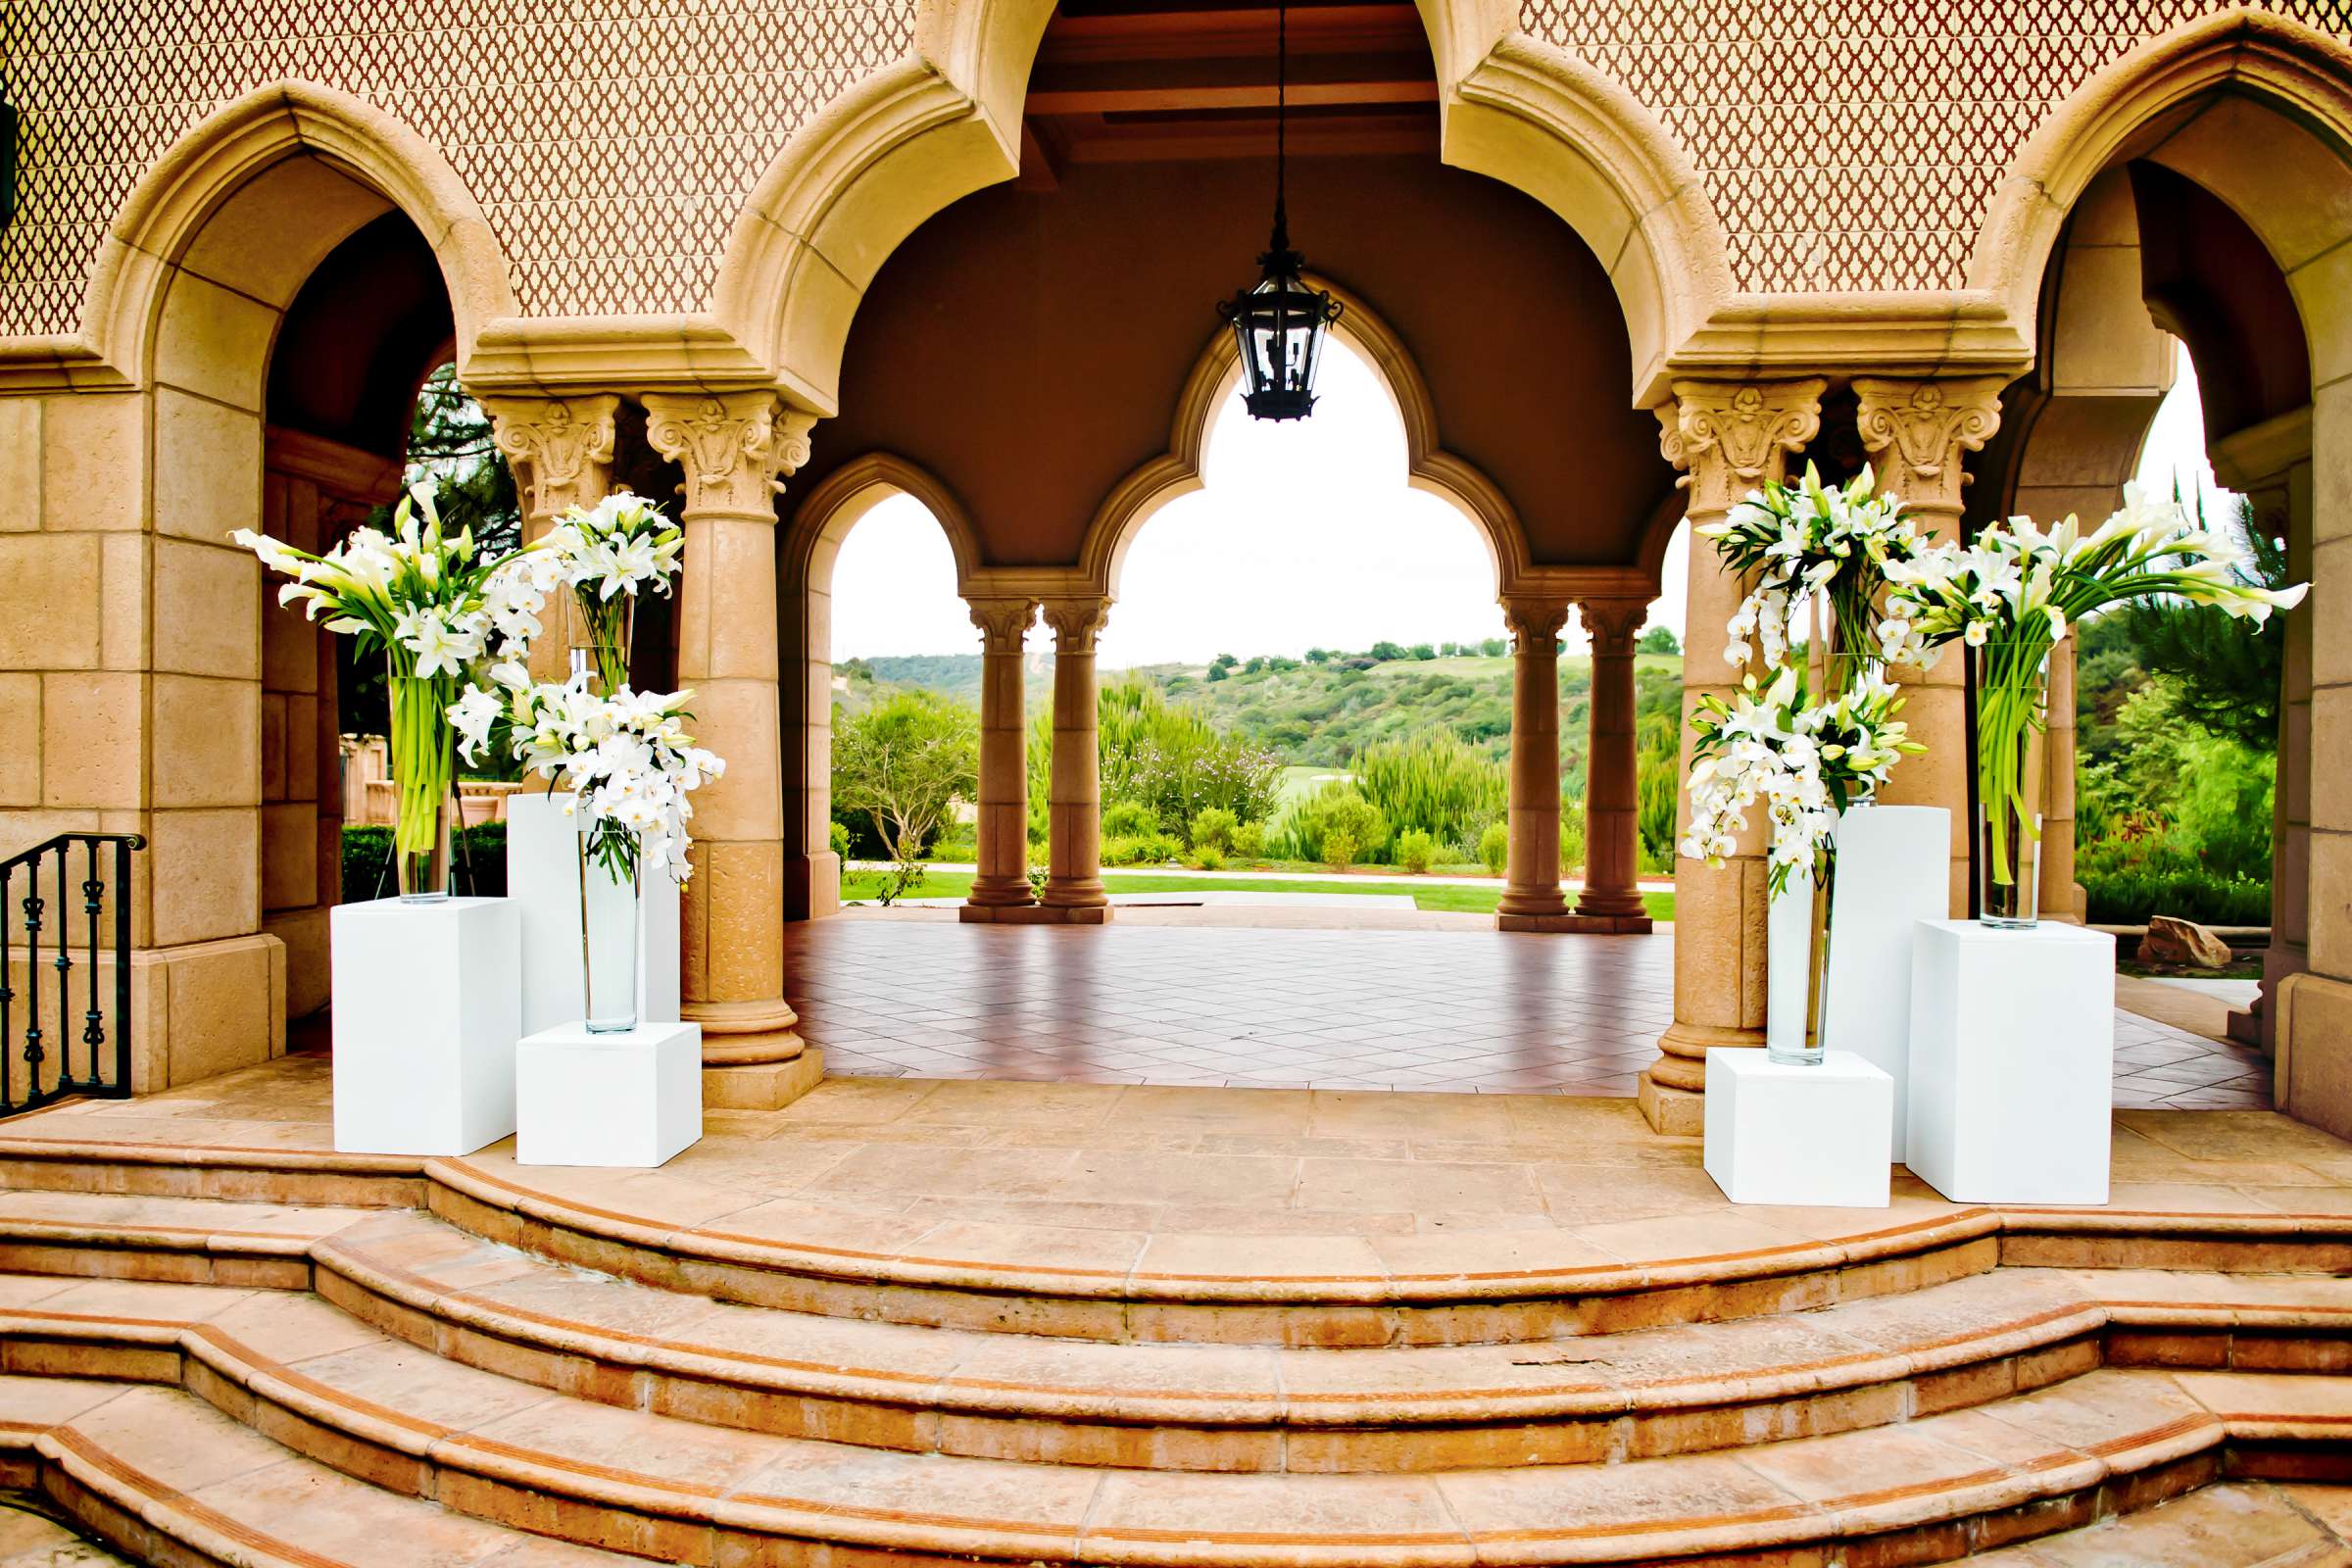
(260, 1356)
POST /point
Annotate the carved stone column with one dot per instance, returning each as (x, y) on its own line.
(1532, 900)
(1612, 834)
(1728, 438)
(1074, 869)
(734, 448)
(560, 450)
(1916, 432)
(1002, 880)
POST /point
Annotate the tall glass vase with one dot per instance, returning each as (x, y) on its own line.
(1797, 961)
(604, 643)
(608, 929)
(424, 756)
(2012, 695)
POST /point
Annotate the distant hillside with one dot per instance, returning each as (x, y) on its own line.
(1310, 715)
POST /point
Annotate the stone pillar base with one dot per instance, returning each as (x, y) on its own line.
(763, 1086)
(747, 1034)
(1577, 920)
(1535, 904)
(2312, 1068)
(196, 1012)
(1672, 1112)
(1034, 914)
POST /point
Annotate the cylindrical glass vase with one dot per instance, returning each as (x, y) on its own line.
(608, 933)
(605, 626)
(2012, 695)
(1797, 961)
(422, 751)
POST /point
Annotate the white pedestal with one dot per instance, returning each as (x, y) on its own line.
(2012, 1062)
(426, 1011)
(631, 1099)
(543, 879)
(1893, 871)
(1817, 1136)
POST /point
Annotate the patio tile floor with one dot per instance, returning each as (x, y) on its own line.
(1457, 1011)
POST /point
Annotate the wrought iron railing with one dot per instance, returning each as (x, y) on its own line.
(37, 1060)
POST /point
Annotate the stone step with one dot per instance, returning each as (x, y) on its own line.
(167, 1477)
(511, 1452)
(2233, 1525)
(193, 1241)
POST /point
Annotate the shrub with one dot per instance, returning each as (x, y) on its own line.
(903, 763)
(839, 838)
(960, 843)
(1212, 828)
(1572, 836)
(2131, 897)
(1495, 847)
(1249, 841)
(477, 863)
(1129, 820)
(1433, 782)
(1337, 807)
(1142, 849)
(1207, 856)
(1166, 756)
(1415, 850)
(1339, 849)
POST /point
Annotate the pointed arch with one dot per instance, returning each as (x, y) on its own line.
(208, 208)
(909, 141)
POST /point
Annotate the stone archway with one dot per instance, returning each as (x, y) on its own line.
(2257, 111)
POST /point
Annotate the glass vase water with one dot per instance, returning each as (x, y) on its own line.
(2011, 692)
(422, 753)
(608, 931)
(1811, 895)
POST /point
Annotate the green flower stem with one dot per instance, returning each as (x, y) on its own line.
(2009, 713)
(605, 622)
(423, 748)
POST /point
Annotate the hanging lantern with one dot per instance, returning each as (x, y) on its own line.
(1278, 323)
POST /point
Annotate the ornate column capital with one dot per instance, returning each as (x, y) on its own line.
(1536, 621)
(736, 447)
(1612, 623)
(1731, 436)
(1003, 622)
(560, 449)
(1916, 431)
(1076, 623)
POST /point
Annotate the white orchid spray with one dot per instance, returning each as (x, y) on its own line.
(1808, 540)
(2012, 595)
(440, 609)
(1803, 762)
(625, 758)
(609, 552)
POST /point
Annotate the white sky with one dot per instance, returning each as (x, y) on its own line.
(1304, 535)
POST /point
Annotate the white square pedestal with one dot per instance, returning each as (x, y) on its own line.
(1892, 872)
(426, 1011)
(543, 879)
(629, 1099)
(1816, 1136)
(2012, 1062)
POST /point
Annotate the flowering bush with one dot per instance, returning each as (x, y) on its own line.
(625, 758)
(1808, 538)
(1806, 763)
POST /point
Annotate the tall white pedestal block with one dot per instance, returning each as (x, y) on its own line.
(543, 879)
(1817, 1136)
(427, 1009)
(2012, 1062)
(1892, 873)
(629, 1098)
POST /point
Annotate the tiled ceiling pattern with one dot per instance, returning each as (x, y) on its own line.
(1854, 144)
(610, 142)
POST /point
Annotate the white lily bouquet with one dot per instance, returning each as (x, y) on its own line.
(440, 609)
(2010, 597)
(609, 551)
(1803, 762)
(1827, 545)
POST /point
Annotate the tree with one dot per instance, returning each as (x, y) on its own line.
(1424, 651)
(1317, 655)
(1658, 640)
(903, 764)
(2226, 673)
(1223, 662)
(1385, 651)
(1494, 648)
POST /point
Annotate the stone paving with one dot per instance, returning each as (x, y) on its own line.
(1466, 1009)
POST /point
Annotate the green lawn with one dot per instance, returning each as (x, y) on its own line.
(860, 886)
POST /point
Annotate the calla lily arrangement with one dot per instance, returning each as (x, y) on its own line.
(1796, 541)
(1805, 762)
(439, 607)
(608, 551)
(2013, 594)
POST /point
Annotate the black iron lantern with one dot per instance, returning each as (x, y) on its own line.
(1278, 323)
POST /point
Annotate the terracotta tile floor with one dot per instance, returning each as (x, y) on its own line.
(1456, 1011)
